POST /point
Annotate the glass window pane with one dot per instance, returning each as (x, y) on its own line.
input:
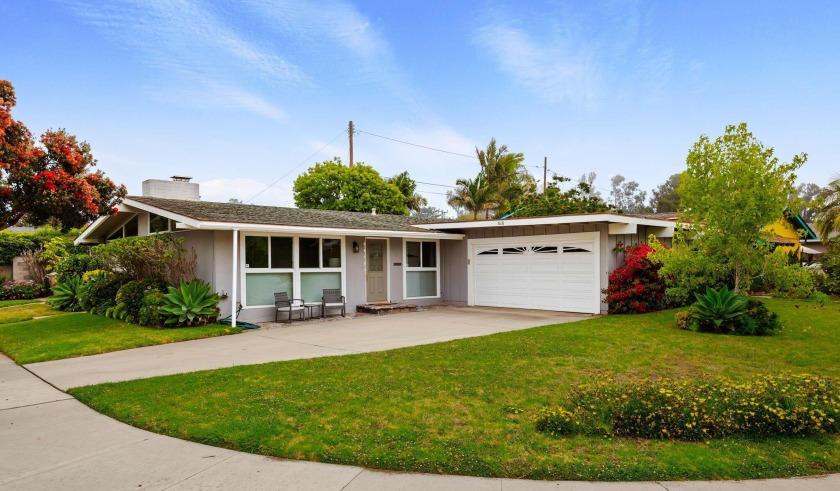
(131, 228)
(429, 254)
(158, 223)
(412, 254)
(312, 284)
(261, 287)
(421, 284)
(256, 252)
(310, 252)
(281, 252)
(332, 253)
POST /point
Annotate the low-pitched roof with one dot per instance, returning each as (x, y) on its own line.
(209, 211)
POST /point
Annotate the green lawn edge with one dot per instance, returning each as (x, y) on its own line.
(68, 335)
(466, 407)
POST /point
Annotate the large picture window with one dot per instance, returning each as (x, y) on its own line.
(300, 266)
(421, 269)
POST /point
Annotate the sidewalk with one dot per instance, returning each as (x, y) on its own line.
(48, 440)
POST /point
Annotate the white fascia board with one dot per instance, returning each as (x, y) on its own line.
(555, 220)
(297, 230)
(191, 222)
(83, 237)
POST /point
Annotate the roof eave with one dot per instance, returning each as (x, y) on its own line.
(292, 229)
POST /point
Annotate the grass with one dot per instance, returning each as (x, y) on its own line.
(10, 303)
(468, 406)
(67, 335)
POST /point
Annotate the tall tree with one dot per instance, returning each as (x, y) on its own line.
(505, 175)
(589, 179)
(408, 187)
(626, 195)
(473, 195)
(828, 209)
(665, 197)
(808, 194)
(331, 186)
(49, 182)
(578, 199)
(733, 188)
(430, 212)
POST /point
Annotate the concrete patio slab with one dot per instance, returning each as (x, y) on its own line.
(281, 342)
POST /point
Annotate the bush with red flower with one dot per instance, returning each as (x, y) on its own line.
(635, 287)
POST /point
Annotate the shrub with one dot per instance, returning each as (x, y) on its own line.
(22, 290)
(755, 319)
(766, 406)
(786, 279)
(685, 270)
(191, 304)
(100, 293)
(686, 319)
(717, 310)
(830, 263)
(147, 256)
(66, 295)
(129, 298)
(150, 314)
(73, 266)
(758, 320)
(635, 287)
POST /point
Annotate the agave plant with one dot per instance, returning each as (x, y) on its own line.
(66, 295)
(190, 304)
(719, 306)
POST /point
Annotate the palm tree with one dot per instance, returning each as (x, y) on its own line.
(474, 195)
(505, 174)
(828, 209)
(408, 187)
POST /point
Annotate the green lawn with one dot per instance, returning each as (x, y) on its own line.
(467, 406)
(65, 335)
(9, 303)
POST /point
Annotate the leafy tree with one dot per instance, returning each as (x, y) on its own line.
(665, 198)
(578, 199)
(505, 175)
(626, 196)
(734, 187)
(408, 187)
(332, 186)
(589, 179)
(50, 181)
(828, 209)
(808, 194)
(473, 195)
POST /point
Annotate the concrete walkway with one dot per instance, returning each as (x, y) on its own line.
(281, 342)
(50, 441)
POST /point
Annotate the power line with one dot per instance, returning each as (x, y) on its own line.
(433, 184)
(417, 145)
(295, 167)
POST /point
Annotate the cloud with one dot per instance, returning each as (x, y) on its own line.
(557, 70)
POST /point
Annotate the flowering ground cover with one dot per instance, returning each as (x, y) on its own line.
(471, 406)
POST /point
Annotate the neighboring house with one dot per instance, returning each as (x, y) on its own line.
(788, 233)
(815, 247)
(250, 252)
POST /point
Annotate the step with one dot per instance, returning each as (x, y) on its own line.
(386, 308)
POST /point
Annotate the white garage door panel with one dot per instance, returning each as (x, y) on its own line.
(557, 272)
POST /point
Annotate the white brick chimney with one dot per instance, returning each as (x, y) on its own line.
(179, 187)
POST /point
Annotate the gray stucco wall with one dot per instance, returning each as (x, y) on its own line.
(453, 283)
(355, 271)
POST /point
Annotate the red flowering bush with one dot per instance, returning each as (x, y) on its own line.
(635, 288)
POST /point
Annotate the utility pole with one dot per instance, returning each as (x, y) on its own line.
(545, 173)
(350, 132)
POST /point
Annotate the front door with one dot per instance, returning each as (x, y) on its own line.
(377, 274)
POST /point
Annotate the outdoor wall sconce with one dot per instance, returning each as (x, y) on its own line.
(355, 247)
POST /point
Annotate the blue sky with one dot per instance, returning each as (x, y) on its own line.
(239, 94)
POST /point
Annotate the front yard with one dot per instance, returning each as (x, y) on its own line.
(468, 406)
(54, 335)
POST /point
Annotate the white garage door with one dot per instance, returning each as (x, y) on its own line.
(546, 272)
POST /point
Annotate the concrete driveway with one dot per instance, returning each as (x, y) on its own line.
(279, 342)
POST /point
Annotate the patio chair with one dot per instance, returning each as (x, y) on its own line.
(283, 304)
(332, 299)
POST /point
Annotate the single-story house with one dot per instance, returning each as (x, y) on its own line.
(249, 252)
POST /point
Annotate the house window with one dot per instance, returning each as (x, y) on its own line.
(320, 253)
(270, 267)
(159, 224)
(129, 229)
(421, 271)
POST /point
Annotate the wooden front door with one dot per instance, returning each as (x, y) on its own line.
(377, 270)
